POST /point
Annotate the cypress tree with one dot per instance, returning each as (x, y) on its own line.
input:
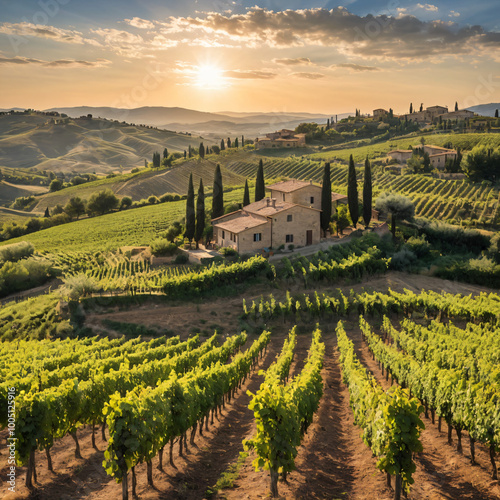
(185, 154)
(411, 108)
(242, 141)
(201, 150)
(367, 193)
(228, 142)
(218, 196)
(326, 199)
(47, 213)
(496, 113)
(200, 214)
(260, 188)
(222, 145)
(145, 163)
(190, 213)
(236, 144)
(456, 106)
(352, 193)
(246, 195)
(165, 153)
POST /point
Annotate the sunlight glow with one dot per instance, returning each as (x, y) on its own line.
(209, 77)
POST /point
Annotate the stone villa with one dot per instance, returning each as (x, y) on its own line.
(437, 155)
(281, 139)
(289, 216)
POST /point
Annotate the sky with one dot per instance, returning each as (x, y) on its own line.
(249, 56)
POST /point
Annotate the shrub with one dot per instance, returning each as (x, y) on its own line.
(152, 200)
(182, 258)
(16, 251)
(163, 247)
(402, 260)
(228, 251)
(76, 287)
(419, 246)
(125, 202)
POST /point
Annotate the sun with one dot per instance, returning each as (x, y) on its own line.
(210, 77)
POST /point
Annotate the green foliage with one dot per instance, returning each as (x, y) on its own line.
(483, 164)
(398, 206)
(326, 199)
(367, 193)
(75, 207)
(77, 287)
(16, 251)
(260, 188)
(200, 213)
(352, 193)
(218, 194)
(163, 247)
(102, 202)
(190, 211)
(246, 194)
(56, 185)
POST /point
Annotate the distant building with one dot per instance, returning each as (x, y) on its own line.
(461, 114)
(426, 116)
(437, 154)
(380, 113)
(281, 139)
(400, 155)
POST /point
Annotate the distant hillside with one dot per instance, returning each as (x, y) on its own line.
(81, 145)
(9, 192)
(188, 120)
(486, 109)
(144, 184)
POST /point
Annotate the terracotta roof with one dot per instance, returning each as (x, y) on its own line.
(449, 152)
(287, 140)
(338, 196)
(400, 151)
(241, 223)
(261, 207)
(289, 186)
(438, 147)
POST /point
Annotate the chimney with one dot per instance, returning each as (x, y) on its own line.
(273, 202)
(268, 200)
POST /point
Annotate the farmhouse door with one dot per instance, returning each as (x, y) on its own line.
(309, 237)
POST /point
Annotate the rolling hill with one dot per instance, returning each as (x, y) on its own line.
(81, 145)
(143, 184)
(216, 125)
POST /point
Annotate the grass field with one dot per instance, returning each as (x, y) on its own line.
(134, 227)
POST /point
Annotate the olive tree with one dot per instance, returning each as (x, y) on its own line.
(398, 206)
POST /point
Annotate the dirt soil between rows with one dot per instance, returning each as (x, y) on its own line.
(332, 462)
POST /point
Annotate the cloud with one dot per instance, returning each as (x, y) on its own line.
(250, 74)
(293, 62)
(50, 32)
(379, 37)
(310, 76)
(60, 63)
(427, 6)
(454, 14)
(355, 67)
(122, 42)
(137, 22)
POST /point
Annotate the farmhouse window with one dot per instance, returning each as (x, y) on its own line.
(289, 218)
(289, 238)
(223, 235)
(312, 200)
(257, 236)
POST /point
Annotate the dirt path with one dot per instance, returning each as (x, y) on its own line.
(333, 461)
(442, 473)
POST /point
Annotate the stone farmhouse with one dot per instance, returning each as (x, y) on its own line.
(289, 216)
(281, 139)
(380, 113)
(437, 155)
